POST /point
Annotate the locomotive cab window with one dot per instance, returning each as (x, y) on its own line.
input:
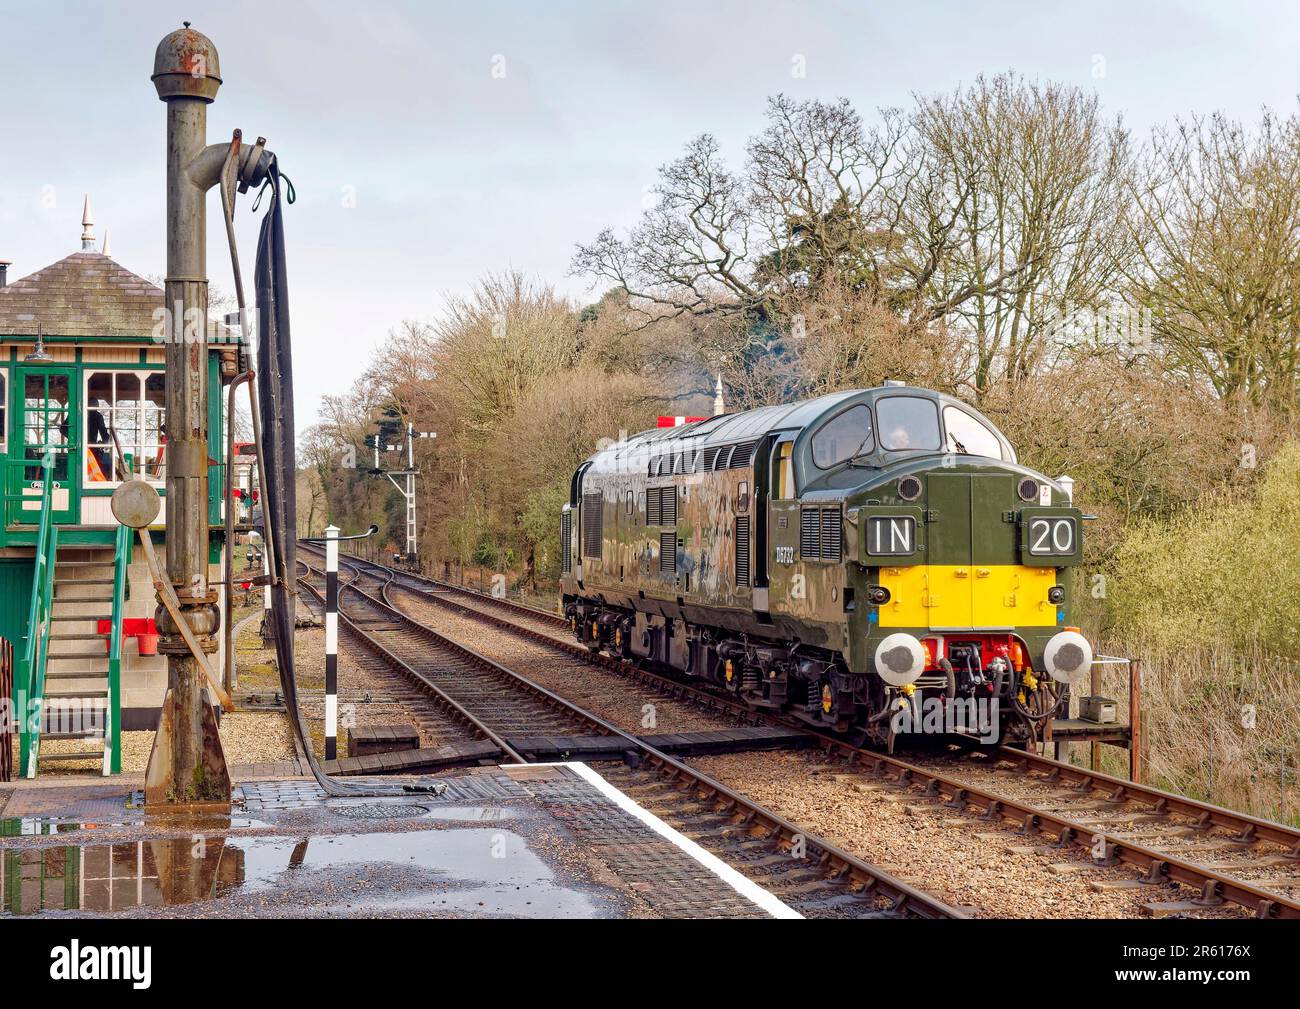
(908, 423)
(843, 437)
(742, 498)
(969, 436)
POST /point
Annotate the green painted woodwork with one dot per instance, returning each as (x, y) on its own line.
(15, 594)
(44, 417)
(19, 528)
(124, 538)
(31, 652)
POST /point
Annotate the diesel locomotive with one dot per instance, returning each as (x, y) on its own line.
(875, 562)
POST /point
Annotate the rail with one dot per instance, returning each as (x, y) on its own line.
(838, 863)
(1216, 885)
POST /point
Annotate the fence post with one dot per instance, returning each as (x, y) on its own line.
(1135, 769)
(1094, 747)
(331, 641)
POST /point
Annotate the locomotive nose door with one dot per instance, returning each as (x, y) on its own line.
(949, 536)
(973, 578)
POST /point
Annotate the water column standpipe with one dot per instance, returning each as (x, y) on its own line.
(187, 764)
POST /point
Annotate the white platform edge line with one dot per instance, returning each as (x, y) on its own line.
(742, 884)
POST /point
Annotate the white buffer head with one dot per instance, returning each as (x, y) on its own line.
(1068, 657)
(900, 659)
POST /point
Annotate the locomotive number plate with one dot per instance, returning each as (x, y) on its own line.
(891, 535)
(1052, 536)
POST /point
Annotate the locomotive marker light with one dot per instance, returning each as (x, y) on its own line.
(900, 659)
(1068, 657)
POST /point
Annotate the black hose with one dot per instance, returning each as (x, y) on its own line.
(951, 674)
(279, 496)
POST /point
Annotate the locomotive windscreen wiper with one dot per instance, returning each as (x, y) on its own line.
(861, 450)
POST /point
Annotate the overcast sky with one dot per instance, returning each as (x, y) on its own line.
(433, 142)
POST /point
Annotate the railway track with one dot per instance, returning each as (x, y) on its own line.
(1222, 855)
(483, 699)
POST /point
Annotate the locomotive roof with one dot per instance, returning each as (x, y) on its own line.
(751, 425)
(737, 428)
(729, 428)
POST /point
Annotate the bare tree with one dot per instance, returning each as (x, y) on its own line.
(1035, 180)
(991, 211)
(1217, 225)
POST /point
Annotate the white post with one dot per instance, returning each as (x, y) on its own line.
(268, 625)
(331, 641)
(410, 518)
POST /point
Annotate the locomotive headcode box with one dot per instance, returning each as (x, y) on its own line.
(1098, 709)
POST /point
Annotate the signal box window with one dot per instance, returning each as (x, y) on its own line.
(129, 404)
(908, 423)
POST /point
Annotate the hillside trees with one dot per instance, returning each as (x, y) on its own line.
(1125, 309)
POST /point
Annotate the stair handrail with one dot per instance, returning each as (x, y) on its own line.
(113, 714)
(36, 643)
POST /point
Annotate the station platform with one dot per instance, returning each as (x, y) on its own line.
(537, 840)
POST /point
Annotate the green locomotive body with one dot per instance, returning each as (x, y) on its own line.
(873, 561)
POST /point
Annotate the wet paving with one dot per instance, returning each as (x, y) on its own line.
(293, 853)
(537, 840)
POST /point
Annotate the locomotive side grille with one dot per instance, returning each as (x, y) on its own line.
(832, 538)
(742, 455)
(652, 506)
(742, 549)
(810, 534)
(710, 456)
(668, 552)
(668, 506)
(566, 540)
(593, 521)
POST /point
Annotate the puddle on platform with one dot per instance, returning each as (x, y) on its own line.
(477, 871)
(36, 826)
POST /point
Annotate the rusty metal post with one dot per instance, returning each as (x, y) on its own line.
(1094, 747)
(1135, 769)
(187, 764)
